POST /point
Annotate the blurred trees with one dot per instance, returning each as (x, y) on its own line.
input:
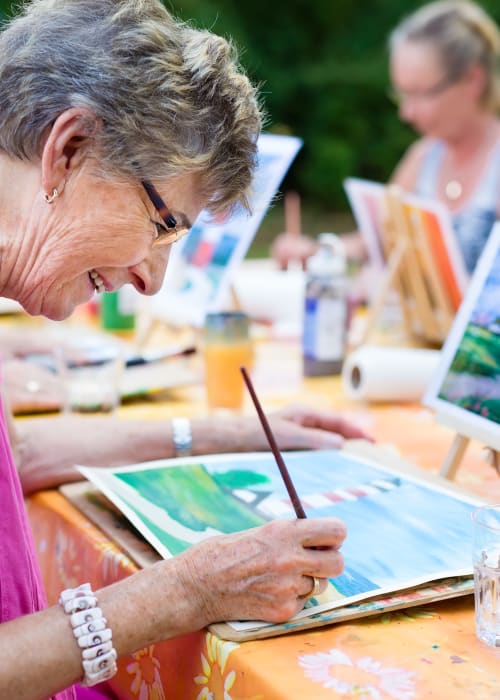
(323, 70)
(322, 67)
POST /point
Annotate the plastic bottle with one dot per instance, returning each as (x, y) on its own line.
(118, 309)
(325, 309)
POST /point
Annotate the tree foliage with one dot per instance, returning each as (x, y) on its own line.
(322, 68)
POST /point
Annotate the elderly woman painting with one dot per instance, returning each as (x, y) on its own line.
(117, 125)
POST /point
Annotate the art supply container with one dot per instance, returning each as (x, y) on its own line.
(91, 377)
(325, 309)
(227, 347)
(486, 559)
(117, 311)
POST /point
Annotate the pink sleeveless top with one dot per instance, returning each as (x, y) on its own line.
(21, 588)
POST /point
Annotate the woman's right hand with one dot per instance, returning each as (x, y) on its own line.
(264, 573)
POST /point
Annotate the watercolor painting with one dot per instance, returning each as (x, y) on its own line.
(402, 531)
(466, 388)
(199, 275)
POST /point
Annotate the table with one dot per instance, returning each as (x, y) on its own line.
(427, 652)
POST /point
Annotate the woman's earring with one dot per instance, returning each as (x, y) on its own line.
(50, 198)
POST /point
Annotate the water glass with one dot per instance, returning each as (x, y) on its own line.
(227, 347)
(486, 559)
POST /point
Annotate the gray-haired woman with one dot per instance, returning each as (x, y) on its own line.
(117, 125)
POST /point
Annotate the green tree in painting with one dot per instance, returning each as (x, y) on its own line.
(194, 498)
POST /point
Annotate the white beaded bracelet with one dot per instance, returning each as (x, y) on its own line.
(91, 633)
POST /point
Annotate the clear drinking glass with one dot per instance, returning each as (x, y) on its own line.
(486, 559)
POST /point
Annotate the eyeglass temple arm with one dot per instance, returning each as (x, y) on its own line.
(159, 204)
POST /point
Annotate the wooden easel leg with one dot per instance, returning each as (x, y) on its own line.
(235, 302)
(454, 456)
(145, 325)
(380, 298)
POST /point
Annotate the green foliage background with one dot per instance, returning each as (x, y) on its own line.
(322, 67)
(323, 70)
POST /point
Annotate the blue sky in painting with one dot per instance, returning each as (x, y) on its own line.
(407, 532)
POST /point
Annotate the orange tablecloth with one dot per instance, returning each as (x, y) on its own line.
(427, 652)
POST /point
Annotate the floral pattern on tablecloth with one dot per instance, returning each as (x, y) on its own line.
(145, 669)
(217, 683)
(358, 677)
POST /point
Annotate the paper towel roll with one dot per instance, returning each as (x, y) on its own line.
(373, 373)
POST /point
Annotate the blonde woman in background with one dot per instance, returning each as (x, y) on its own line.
(445, 73)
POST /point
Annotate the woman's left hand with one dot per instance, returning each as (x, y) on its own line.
(295, 427)
(30, 388)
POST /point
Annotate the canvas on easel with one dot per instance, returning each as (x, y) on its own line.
(199, 275)
(465, 390)
(367, 201)
(423, 264)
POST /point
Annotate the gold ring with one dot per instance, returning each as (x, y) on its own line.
(316, 587)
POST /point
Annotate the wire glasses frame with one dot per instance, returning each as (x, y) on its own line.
(173, 231)
(399, 96)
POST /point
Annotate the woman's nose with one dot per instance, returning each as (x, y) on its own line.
(149, 273)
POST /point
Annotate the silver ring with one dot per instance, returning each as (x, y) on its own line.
(316, 588)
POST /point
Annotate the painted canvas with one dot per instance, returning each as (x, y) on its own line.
(202, 265)
(402, 531)
(465, 390)
(367, 203)
(432, 222)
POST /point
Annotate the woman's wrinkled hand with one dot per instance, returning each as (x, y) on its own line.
(295, 427)
(30, 388)
(288, 248)
(264, 573)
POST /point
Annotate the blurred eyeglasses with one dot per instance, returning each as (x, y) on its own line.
(172, 231)
(399, 96)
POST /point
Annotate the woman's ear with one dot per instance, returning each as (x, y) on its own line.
(66, 146)
(476, 79)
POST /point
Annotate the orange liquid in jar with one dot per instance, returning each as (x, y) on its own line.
(223, 379)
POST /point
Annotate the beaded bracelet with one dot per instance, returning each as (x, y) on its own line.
(91, 633)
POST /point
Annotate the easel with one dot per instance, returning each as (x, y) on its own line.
(456, 452)
(412, 271)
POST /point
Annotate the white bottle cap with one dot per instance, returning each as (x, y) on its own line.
(330, 259)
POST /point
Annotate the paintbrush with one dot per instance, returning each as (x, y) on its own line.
(297, 505)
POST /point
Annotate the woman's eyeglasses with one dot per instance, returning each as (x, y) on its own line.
(172, 231)
(399, 96)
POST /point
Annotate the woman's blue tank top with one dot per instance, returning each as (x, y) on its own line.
(473, 222)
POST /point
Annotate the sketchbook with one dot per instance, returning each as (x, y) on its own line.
(409, 538)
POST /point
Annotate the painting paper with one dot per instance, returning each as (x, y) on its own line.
(402, 531)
